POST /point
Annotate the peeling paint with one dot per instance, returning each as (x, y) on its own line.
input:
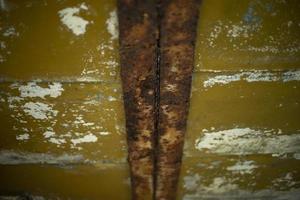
(112, 25)
(252, 76)
(104, 133)
(10, 157)
(48, 134)
(39, 110)
(9, 32)
(243, 167)
(247, 141)
(86, 139)
(70, 19)
(57, 141)
(33, 90)
(23, 137)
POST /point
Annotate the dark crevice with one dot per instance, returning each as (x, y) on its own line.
(157, 97)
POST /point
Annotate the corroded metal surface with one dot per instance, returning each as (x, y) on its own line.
(177, 41)
(138, 41)
(156, 51)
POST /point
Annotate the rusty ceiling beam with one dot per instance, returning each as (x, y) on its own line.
(138, 58)
(177, 43)
(157, 40)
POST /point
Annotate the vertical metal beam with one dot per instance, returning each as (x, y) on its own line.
(138, 58)
(177, 42)
(157, 40)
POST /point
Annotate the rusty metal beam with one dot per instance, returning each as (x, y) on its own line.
(157, 40)
(138, 58)
(177, 43)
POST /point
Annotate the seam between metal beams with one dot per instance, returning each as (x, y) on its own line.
(157, 97)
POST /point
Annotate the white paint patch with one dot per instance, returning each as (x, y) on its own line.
(243, 167)
(88, 124)
(104, 133)
(291, 76)
(48, 134)
(252, 76)
(39, 110)
(9, 32)
(57, 141)
(86, 139)
(23, 137)
(222, 80)
(274, 49)
(8, 157)
(33, 90)
(70, 19)
(112, 25)
(244, 141)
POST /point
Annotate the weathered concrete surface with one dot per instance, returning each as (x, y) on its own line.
(178, 20)
(138, 59)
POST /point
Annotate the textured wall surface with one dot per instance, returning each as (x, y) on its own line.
(243, 129)
(62, 121)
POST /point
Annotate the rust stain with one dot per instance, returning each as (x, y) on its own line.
(157, 40)
(177, 43)
(138, 41)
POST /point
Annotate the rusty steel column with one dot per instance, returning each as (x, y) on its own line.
(177, 43)
(157, 39)
(138, 58)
